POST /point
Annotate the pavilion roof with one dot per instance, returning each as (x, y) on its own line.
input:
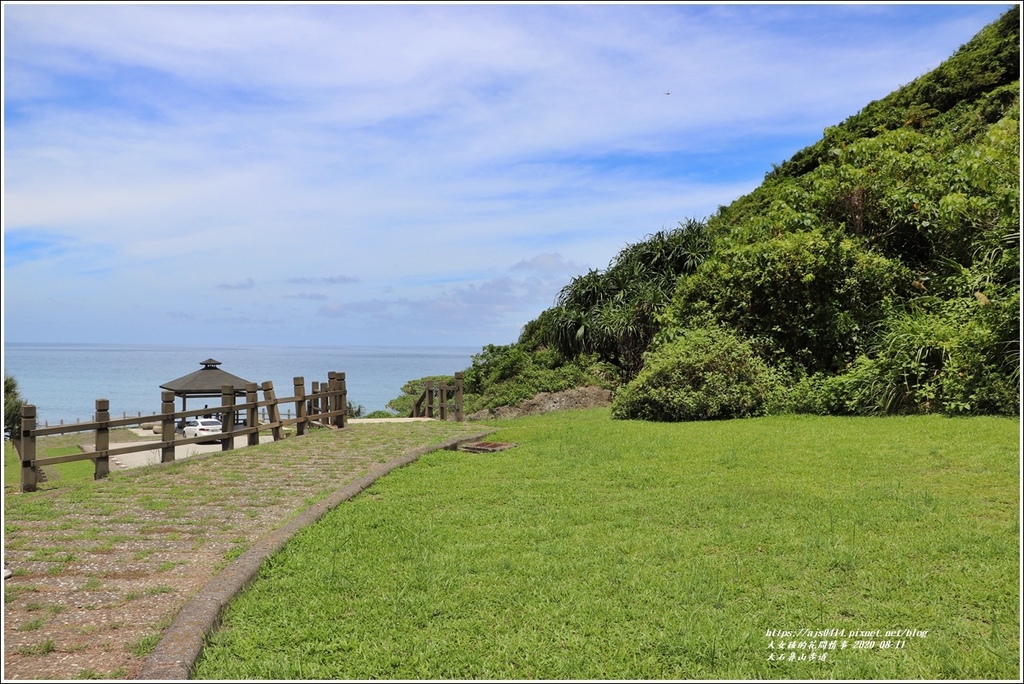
(207, 381)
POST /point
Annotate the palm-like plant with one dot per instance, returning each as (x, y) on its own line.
(613, 313)
(12, 407)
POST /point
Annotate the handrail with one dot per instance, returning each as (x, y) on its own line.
(448, 397)
(332, 396)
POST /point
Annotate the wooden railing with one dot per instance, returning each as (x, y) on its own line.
(446, 398)
(326, 405)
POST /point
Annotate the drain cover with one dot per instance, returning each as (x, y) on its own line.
(486, 447)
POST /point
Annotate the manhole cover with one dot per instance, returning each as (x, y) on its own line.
(486, 447)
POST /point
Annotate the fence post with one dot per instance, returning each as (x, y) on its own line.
(167, 431)
(227, 417)
(102, 439)
(29, 475)
(430, 398)
(417, 404)
(252, 420)
(343, 400)
(330, 398)
(314, 401)
(273, 410)
(299, 388)
(324, 401)
(442, 400)
(330, 389)
(459, 416)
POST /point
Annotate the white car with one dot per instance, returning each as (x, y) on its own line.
(197, 427)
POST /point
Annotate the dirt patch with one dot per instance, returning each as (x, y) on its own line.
(546, 402)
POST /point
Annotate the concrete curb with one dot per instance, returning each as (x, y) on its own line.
(181, 643)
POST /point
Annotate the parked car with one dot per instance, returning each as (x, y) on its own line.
(197, 427)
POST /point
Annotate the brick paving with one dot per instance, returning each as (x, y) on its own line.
(101, 570)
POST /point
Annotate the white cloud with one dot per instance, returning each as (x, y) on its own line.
(304, 169)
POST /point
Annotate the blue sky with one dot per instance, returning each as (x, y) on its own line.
(338, 174)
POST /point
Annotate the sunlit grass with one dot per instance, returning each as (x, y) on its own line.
(601, 549)
(63, 445)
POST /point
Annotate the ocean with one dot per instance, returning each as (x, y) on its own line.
(64, 381)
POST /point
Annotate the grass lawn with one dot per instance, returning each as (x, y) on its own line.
(61, 445)
(602, 549)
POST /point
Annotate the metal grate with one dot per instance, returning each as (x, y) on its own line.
(486, 447)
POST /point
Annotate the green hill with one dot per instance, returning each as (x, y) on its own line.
(877, 271)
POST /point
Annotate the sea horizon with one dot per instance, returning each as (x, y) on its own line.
(64, 379)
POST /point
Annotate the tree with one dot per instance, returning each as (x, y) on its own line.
(12, 407)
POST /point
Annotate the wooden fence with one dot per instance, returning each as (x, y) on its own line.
(326, 405)
(447, 399)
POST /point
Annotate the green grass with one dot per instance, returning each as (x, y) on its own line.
(144, 646)
(39, 649)
(12, 467)
(602, 549)
(76, 470)
(90, 673)
(33, 624)
(62, 445)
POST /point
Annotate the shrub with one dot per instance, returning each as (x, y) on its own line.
(856, 391)
(959, 356)
(381, 413)
(811, 292)
(705, 374)
(508, 375)
(403, 404)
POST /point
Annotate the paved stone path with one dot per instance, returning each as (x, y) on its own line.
(118, 577)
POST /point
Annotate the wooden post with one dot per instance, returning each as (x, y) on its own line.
(442, 399)
(430, 398)
(327, 400)
(252, 420)
(417, 406)
(343, 400)
(330, 397)
(314, 401)
(459, 416)
(299, 388)
(167, 432)
(29, 475)
(227, 417)
(273, 410)
(102, 439)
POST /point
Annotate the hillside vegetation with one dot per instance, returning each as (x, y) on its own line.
(875, 272)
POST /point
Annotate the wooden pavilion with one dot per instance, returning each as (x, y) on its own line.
(208, 381)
